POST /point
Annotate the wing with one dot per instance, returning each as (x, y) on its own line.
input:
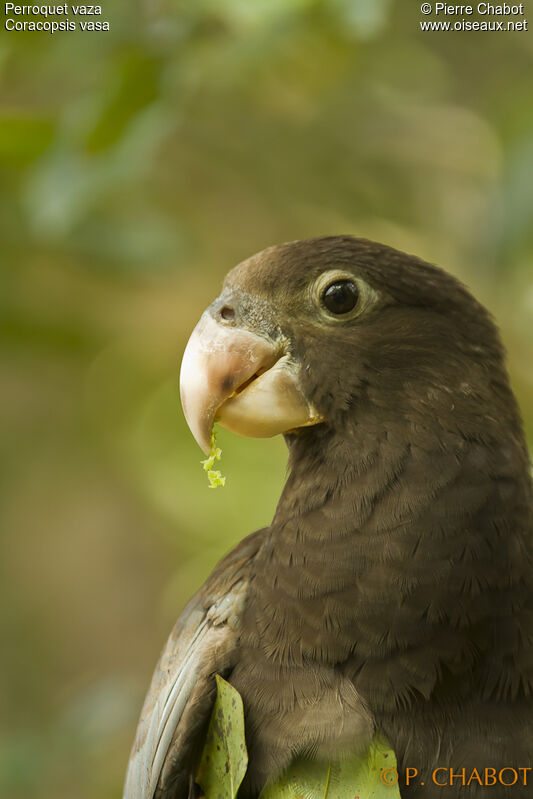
(178, 705)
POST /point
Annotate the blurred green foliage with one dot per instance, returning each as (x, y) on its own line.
(136, 167)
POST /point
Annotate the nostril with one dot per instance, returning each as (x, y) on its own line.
(227, 313)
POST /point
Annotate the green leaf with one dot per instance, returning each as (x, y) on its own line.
(224, 759)
(371, 775)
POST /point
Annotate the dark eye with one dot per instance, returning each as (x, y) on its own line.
(340, 297)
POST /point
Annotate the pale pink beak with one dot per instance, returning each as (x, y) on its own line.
(241, 380)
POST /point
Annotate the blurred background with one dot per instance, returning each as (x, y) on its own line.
(136, 167)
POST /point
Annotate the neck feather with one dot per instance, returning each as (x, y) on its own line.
(420, 549)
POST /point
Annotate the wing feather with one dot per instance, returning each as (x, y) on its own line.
(204, 642)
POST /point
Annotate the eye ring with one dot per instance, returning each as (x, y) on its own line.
(366, 296)
(340, 297)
